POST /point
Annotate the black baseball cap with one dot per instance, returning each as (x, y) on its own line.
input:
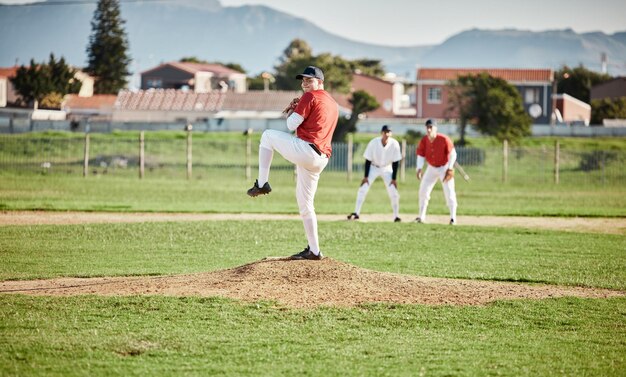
(311, 71)
(385, 128)
(431, 122)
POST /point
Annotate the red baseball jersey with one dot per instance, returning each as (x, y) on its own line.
(436, 152)
(320, 113)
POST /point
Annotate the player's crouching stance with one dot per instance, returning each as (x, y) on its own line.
(438, 152)
(382, 156)
(314, 118)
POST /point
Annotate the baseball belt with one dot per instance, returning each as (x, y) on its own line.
(316, 149)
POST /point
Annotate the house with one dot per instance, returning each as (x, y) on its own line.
(535, 87)
(611, 89)
(8, 96)
(198, 77)
(571, 110)
(388, 91)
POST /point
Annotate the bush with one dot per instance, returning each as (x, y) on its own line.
(413, 137)
(596, 160)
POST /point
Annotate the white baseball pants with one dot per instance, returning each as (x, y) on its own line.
(385, 173)
(309, 166)
(430, 178)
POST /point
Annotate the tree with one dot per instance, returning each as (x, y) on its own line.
(49, 81)
(297, 48)
(608, 108)
(337, 72)
(361, 102)
(192, 59)
(234, 66)
(462, 101)
(368, 67)
(262, 81)
(577, 82)
(108, 59)
(491, 105)
(297, 56)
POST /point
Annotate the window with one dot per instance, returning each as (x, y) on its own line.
(154, 83)
(531, 95)
(434, 95)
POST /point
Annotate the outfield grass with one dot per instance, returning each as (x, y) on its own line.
(161, 336)
(153, 335)
(224, 191)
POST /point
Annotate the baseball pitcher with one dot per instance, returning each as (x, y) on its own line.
(314, 118)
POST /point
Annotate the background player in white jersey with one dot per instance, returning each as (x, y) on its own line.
(382, 157)
(438, 151)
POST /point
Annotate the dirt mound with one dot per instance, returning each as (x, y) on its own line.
(304, 284)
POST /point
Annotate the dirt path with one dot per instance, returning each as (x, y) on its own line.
(574, 224)
(305, 284)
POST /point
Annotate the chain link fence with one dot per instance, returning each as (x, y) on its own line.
(185, 158)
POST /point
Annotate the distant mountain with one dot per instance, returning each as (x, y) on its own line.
(255, 37)
(527, 49)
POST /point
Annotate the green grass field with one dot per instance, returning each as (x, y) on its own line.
(155, 335)
(224, 191)
(164, 336)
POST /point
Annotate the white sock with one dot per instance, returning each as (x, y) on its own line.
(265, 161)
(453, 213)
(310, 228)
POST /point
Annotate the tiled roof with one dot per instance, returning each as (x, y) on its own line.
(98, 101)
(8, 71)
(259, 100)
(179, 100)
(198, 67)
(505, 74)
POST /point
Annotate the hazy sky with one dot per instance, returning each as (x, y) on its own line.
(414, 22)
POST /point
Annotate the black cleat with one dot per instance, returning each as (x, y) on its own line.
(353, 216)
(256, 190)
(452, 222)
(418, 220)
(307, 254)
(397, 220)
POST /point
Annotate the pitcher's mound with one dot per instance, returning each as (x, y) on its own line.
(303, 284)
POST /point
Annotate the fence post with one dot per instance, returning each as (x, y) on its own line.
(189, 127)
(557, 161)
(505, 160)
(403, 162)
(142, 161)
(603, 166)
(86, 156)
(349, 157)
(248, 153)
